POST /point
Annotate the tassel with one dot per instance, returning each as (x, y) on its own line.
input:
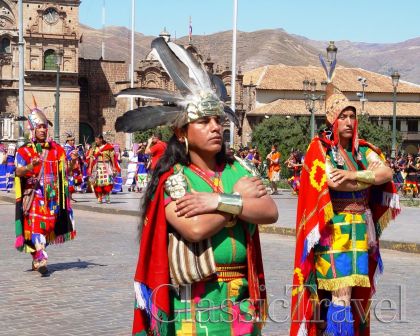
(371, 231)
(19, 242)
(339, 321)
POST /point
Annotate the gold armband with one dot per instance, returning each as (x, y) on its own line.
(365, 176)
(230, 203)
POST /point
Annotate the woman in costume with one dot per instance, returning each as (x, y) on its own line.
(347, 198)
(411, 187)
(142, 173)
(294, 164)
(118, 180)
(102, 168)
(43, 210)
(7, 166)
(197, 200)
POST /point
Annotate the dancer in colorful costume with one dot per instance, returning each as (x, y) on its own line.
(294, 163)
(43, 210)
(142, 171)
(197, 200)
(346, 200)
(7, 166)
(102, 168)
(76, 163)
(118, 180)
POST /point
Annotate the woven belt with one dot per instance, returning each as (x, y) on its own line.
(352, 202)
(228, 272)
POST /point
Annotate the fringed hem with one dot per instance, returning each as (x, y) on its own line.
(348, 281)
(53, 239)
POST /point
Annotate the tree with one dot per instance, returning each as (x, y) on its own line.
(145, 135)
(376, 134)
(288, 133)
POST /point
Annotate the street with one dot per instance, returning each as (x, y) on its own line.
(89, 290)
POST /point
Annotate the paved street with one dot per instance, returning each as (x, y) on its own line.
(89, 290)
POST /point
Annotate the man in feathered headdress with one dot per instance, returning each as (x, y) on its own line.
(347, 198)
(43, 211)
(219, 243)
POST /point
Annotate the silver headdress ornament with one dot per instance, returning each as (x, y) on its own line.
(37, 117)
(200, 94)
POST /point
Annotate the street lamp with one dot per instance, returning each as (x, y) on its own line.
(363, 82)
(331, 52)
(58, 61)
(309, 92)
(395, 79)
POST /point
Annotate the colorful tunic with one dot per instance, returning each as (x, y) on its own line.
(50, 213)
(220, 305)
(341, 257)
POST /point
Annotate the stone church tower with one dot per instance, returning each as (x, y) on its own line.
(50, 29)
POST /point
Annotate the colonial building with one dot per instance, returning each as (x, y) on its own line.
(50, 29)
(278, 90)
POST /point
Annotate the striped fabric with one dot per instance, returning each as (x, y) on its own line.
(189, 262)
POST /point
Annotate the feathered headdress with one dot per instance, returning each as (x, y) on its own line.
(200, 94)
(70, 136)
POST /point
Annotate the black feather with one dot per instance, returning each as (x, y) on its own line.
(219, 87)
(146, 117)
(231, 116)
(177, 70)
(164, 95)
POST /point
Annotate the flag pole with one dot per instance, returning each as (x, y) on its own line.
(129, 139)
(233, 83)
(21, 45)
(103, 31)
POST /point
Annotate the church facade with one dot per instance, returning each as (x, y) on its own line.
(50, 28)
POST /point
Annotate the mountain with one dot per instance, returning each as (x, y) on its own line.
(378, 57)
(264, 47)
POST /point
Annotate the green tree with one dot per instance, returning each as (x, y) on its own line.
(376, 134)
(288, 133)
(145, 135)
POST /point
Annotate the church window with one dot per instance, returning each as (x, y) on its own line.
(49, 60)
(5, 45)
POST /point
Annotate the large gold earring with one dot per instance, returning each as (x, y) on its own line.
(186, 145)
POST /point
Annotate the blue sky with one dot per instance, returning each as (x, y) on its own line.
(379, 21)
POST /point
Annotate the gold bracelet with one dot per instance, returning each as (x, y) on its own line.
(366, 176)
(27, 167)
(230, 203)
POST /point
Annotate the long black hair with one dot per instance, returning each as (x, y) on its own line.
(175, 153)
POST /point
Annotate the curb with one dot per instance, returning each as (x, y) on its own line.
(84, 207)
(272, 229)
(387, 244)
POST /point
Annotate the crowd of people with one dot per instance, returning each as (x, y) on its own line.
(406, 168)
(200, 268)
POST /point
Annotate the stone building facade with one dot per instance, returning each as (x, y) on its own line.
(50, 29)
